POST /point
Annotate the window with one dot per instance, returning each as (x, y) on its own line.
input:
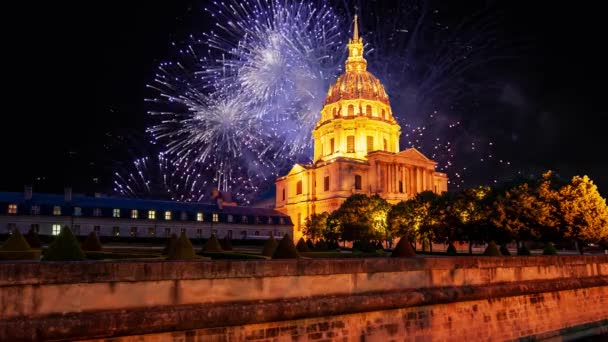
(370, 143)
(151, 231)
(383, 115)
(184, 216)
(244, 219)
(299, 188)
(258, 220)
(350, 144)
(151, 215)
(385, 145)
(97, 229)
(35, 210)
(326, 183)
(331, 146)
(167, 215)
(283, 194)
(96, 212)
(270, 220)
(299, 223)
(35, 227)
(257, 233)
(216, 217)
(116, 231)
(12, 208)
(199, 217)
(351, 110)
(357, 182)
(134, 214)
(56, 210)
(435, 188)
(167, 232)
(77, 211)
(133, 231)
(56, 229)
(401, 186)
(199, 233)
(229, 218)
(76, 229)
(368, 110)
(116, 213)
(281, 220)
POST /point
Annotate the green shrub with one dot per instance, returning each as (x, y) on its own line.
(504, 250)
(549, 249)
(269, 247)
(451, 250)
(226, 243)
(183, 249)
(403, 249)
(321, 246)
(379, 245)
(310, 244)
(65, 247)
(523, 251)
(333, 245)
(92, 243)
(16, 243)
(212, 245)
(285, 249)
(365, 246)
(492, 249)
(302, 246)
(170, 244)
(33, 239)
(32, 254)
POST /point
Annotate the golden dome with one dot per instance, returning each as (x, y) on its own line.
(356, 82)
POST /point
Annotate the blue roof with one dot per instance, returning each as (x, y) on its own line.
(130, 203)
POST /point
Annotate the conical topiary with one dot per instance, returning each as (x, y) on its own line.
(321, 246)
(310, 244)
(269, 247)
(33, 239)
(302, 247)
(92, 243)
(16, 243)
(403, 249)
(504, 250)
(523, 250)
(549, 249)
(170, 244)
(451, 250)
(379, 245)
(182, 250)
(226, 243)
(212, 245)
(492, 249)
(65, 247)
(286, 249)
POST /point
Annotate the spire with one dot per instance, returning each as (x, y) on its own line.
(356, 31)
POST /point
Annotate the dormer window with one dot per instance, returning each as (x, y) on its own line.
(12, 208)
(56, 210)
(134, 214)
(116, 213)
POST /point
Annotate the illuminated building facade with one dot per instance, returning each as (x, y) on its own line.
(356, 150)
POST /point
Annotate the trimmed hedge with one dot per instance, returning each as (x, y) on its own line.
(321, 246)
(65, 247)
(33, 239)
(549, 249)
(183, 249)
(302, 246)
(111, 256)
(523, 251)
(403, 249)
(212, 245)
(269, 247)
(286, 249)
(226, 243)
(310, 244)
(504, 250)
(492, 249)
(234, 256)
(92, 243)
(451, 250)
(32, 254)
(16, 243)
(170, 245)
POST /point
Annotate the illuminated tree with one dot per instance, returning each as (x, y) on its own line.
(472, 211)
(582, 211)
(362, 218)
(315, 225)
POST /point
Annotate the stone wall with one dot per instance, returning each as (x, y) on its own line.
(450, 298)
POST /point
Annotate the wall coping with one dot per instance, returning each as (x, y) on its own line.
(39, 273)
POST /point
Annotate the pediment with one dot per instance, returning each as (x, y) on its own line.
(414, 154)
(297, 168)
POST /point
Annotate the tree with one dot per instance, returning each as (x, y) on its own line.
(65, 247)
(315, 225)
(582, 211)
(362, 218)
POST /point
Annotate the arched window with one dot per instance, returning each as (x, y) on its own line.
(351, 110)
(368, 110)
(350, 144)
(299, 188)
(383, 115)
(370, 143)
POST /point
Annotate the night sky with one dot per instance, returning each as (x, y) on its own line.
(77, 78)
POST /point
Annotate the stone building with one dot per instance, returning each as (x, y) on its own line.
(356, 150)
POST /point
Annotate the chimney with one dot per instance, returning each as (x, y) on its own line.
(27, 192)
(68, 194)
